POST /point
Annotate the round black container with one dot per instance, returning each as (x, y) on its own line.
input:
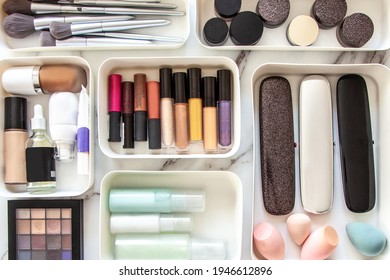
(246, 28)
(215, 32)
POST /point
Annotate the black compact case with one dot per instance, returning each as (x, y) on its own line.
(356, 143)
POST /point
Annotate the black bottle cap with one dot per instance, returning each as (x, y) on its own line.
(215, 31)
(166, 82)
(224, 84)
(15, 113)
(179, 85)
(140, 126)
(154, 131)
(227, 8)
(114, 131)
(246, 28)
(209, 89)
(194, 78)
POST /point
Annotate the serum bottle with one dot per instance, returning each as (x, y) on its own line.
(40, 157)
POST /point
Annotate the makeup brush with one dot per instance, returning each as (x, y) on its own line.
(113, 3)
(47, 40)
(31, 8)
(125, 35)
(61, 30)
(20, 26)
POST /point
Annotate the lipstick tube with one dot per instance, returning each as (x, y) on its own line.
(167, 112)
(224, 108)
(195, 104)
(210, 127)
(140, 108)
(154, 123)
(114, 107)
(128, 114)
(181, 111)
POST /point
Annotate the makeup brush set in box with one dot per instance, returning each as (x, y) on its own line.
(94, 24)
(320, 190)
(47, 124)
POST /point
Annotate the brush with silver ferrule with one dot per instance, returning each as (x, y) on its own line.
(61, 30)
(47, 40)
(31, 8)
(133, 36)
(20, 26)
(113, 3)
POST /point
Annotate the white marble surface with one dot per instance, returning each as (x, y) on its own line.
(241, 163)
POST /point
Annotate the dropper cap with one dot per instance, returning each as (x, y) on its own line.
(188, 201)
(38, 121)
(207, 250)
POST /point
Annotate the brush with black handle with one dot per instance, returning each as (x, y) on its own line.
(61, 30)
(31, 8)
(20, 26)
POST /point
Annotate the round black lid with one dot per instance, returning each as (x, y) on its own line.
(15, 113)
(246, 28)
(165, 82)
(227, 8)
(179, 85)
(224, 84)
(194, 77)
(215, 31)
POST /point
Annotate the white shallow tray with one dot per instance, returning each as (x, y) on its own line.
(127, 67)
(378, 85)
(179, 27)
(69, 183)
(221, 220)
(275, 39)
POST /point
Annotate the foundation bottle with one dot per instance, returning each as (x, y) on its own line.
(166, 107)
(44, 79)
(181, 112)
(195, 104)
(210, 126)
(40, 157)
(15, 137)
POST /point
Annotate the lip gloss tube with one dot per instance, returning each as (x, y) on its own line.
(210, 115)
(140, 108)
(195, 104)
(154, 123)
(128, 114)
(224, 107)
(181, 111)
(166, 108)
(114, 107)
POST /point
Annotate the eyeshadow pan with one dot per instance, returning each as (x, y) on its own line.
(66, 213)
(53, 213)
(22, 213)
(66, 227)
(54, 255)
(24, 255)
(38, 213)
(38, 255)
(53, 242)
(67, 242)
(24, 242)
(66, 255)
(38, 242)
(38, 226)
(23, 226)
(53, 226)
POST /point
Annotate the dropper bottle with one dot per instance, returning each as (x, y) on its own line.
(40, 157)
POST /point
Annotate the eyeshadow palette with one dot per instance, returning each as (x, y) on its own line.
(338, 216)
(45, 229)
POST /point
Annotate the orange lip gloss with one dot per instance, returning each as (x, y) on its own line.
(154, 123)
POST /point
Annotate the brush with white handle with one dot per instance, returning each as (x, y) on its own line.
(47, 40)
(61, 30)
(133, 36)
(113, 3)
(20, 26)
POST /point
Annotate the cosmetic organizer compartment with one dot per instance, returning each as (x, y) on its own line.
(178, 28)
(68, 182)
(127, 67)
(276, 39)
(378, 86)
(223, 203)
